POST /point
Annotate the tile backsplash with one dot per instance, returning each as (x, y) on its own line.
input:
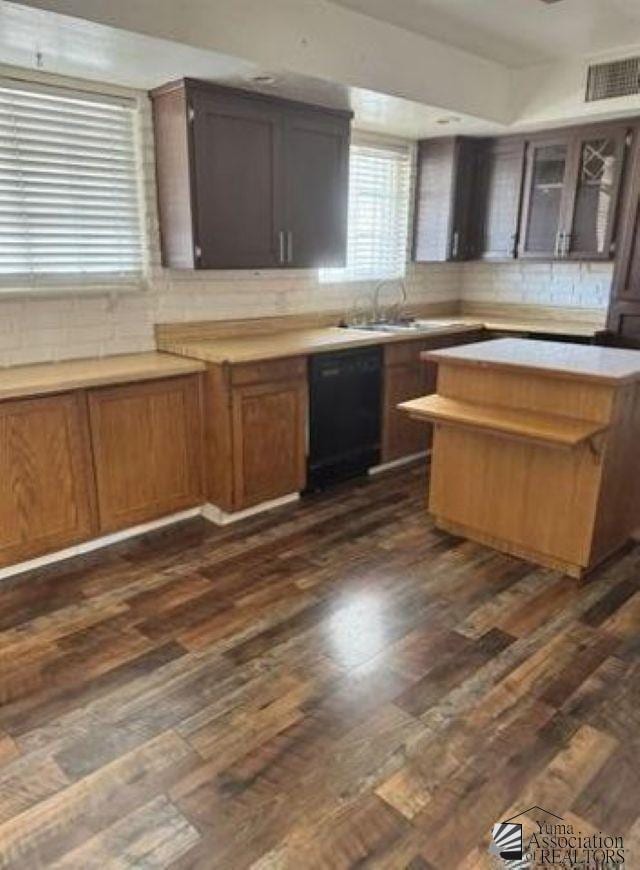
(565, 285)
(40, 330)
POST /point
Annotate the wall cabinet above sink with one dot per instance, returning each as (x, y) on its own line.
(247, 181)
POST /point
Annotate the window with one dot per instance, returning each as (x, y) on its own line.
(379, 187)
(70, 208)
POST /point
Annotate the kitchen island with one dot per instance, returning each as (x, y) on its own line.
(535, 448)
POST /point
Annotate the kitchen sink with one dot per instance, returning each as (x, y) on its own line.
(408, 328)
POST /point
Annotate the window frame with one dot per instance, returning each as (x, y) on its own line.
(407, 148)
(28, 283)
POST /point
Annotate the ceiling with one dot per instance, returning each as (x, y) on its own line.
(517, 33)
(36, 39)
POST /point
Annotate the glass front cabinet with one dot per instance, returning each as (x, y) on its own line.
(571, 193)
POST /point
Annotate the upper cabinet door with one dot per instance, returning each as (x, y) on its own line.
(624, 311)
(547, 172)
(594, 193)
(435, 193)
(237, 182)
(316, 149)
(499, 198)
(444, 213)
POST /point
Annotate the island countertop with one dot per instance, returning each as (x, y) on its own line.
(549, 358)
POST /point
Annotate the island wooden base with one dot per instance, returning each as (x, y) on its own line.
(462, 531)
(535, 449)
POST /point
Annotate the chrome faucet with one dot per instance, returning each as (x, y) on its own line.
(393, 312)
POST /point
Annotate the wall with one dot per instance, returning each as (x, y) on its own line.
(566, 285)
(38, 330)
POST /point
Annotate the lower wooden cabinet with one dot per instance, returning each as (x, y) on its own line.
(45, 476)
(269, 423)
(402, 436)
(256, 432)
(407, 377)
(147, 450)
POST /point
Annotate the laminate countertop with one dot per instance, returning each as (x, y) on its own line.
(554, 359)
(302, 342)
(575, 328)
(46, 378)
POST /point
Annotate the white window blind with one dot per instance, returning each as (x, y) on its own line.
(70, 209)
(379, 189)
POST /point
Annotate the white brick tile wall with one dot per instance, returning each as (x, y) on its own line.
(566, 285)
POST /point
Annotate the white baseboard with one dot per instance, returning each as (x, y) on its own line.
(397, 463)
(97, 543)
(222, 518)
(208, 511)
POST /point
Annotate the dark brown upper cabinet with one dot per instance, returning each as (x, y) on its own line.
(499, 194)
(624, 310)
(445, 213)
(571, 192)
(316, 148)
(247, 181)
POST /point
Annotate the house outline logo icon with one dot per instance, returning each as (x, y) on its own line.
(507, 839)
(507, 836)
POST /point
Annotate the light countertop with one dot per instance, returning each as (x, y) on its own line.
(558, 359)
(45, 378)
(300, 342)
(547, 327)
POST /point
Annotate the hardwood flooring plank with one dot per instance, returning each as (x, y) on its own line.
(67, 818)
(153, 836)
(337, 684)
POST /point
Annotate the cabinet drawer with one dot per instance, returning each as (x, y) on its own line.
(266, 372)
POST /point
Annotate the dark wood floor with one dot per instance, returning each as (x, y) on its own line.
(335, 685)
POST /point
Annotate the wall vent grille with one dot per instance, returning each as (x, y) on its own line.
(618, 78)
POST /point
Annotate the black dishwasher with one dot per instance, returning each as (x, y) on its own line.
(344, 415)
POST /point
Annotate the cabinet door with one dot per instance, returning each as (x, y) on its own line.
(444, 225)
(317, 189)
(499, 200)
(147, 450)
(237, 149)
(594, 190)
(435, 192)
(269, 441)
(402, 436)
(465, 239)
(548, 164)
(46, 494)
(624, 311)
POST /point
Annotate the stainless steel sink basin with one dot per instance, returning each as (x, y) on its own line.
(410, 327)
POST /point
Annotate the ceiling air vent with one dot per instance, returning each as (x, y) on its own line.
(618, 78)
